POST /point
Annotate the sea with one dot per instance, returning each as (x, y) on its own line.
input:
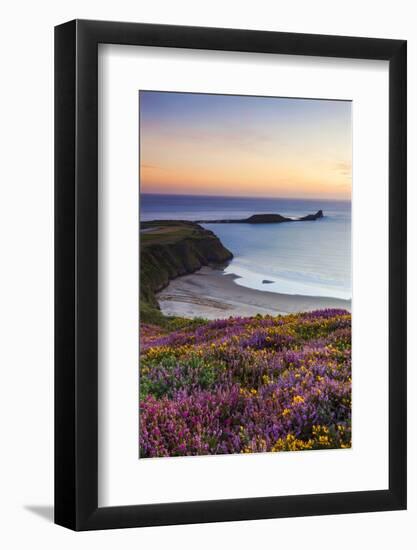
(310, 258)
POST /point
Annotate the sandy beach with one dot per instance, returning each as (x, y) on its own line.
(211, 294)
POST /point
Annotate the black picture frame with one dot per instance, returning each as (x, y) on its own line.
(76, 272)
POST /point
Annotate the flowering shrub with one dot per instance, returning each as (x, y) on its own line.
(246, 385)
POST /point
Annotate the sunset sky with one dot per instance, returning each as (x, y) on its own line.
(205, 144)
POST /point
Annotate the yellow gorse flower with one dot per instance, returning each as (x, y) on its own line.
(297, 399)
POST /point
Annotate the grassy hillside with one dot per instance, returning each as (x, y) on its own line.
(170, 249)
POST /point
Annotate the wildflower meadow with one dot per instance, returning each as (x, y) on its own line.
(246, 385)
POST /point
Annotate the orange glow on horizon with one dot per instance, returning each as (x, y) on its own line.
(254, 156)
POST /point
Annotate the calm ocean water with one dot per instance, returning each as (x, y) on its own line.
(307, 258)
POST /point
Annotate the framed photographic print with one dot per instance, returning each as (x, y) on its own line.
(230, 253)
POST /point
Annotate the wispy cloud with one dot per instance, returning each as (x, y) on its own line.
(344, 168)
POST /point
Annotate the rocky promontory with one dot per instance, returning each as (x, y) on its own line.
(269, 218)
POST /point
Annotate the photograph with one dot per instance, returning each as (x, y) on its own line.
(245, 274)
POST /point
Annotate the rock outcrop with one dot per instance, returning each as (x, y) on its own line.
(269, 218)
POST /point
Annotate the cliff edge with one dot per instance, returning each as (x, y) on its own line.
(172, 248)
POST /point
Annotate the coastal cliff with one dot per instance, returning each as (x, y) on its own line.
(170, 249)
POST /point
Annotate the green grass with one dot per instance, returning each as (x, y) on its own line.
(154, 316)
(168, 232)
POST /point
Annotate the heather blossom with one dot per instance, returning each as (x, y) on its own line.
(244, 385)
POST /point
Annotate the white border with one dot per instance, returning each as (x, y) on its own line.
(123, 479)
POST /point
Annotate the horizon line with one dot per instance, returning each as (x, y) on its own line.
(245, 196)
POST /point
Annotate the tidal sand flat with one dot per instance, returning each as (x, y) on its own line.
(212, 294)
